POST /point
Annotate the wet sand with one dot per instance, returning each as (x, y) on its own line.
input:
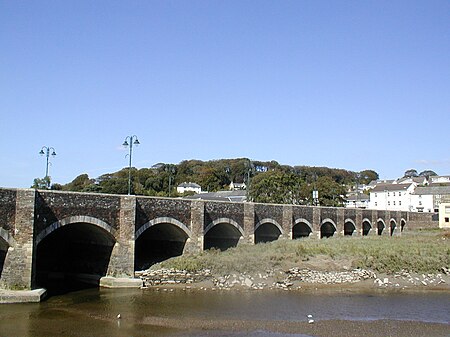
(335, 328)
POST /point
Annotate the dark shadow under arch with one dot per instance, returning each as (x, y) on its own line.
(402, 225)
(380, 227)
(366, 227)
(349, 228)
(266, 232)
(72, 257)
(392, 226)
(157, 243)
(3, 251)
(301, 230)
(327, 229)
(221, 236)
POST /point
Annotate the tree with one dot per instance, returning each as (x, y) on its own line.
(367, 176)
(411, 173)
(427, 174)
(41, 183)
(275, 187)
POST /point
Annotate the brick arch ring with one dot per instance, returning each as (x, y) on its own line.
(5, 236)
(71, 220)
(351, 221)
(224, 220)
(161, 220)
(271, 221)
(368, 221)
(306, 222)
(328, 220)
(382, 221)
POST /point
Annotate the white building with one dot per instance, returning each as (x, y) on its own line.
(357, 200)
(237, 186)
(444, 215)
(428, 198)
(393, 197)
(189, 187)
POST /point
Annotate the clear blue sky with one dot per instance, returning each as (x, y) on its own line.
(347, 84)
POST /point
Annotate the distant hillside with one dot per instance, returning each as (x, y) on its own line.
(269, 181)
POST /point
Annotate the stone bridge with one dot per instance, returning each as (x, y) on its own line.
(46, 236)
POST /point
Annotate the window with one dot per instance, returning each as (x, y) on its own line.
(420, 203)
(376, 203)
(399, 194)
(389, 203)
(394, 203)
(399, 203)
(447, 220)
(375, 195)
(388, 193)
(394, 194)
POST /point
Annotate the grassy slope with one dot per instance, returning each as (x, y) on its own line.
(422, 252)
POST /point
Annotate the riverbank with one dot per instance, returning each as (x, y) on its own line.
(415, 260)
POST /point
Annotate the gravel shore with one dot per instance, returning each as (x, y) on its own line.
(293, 279)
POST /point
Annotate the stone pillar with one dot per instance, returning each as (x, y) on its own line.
(195, 243)
(358, 223)
(316, 222)
(340, 221)
(288, 222)
(18, 265)
(374, 220)
(249, 222)
(121, 263)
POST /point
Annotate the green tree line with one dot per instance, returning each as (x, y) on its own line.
(269, 182)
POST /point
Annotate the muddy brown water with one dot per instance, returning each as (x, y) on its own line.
(93, 312)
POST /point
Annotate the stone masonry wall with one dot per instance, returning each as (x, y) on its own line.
(7, 209)
(52, 206)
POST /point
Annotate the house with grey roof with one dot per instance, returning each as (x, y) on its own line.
(189, 187)
(428, 198)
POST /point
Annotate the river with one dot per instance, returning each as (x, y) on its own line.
(94, 312)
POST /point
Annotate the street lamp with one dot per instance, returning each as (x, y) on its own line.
(47, 151)
(132, 141)
(171, 170)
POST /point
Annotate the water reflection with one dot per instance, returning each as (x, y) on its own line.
(93, 312)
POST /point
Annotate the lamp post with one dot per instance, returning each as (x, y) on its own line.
(171, 170)
(129, 142)
(47, 151)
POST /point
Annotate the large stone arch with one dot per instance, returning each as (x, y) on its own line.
(267, 230)
(327, 228)
(392, 226)
(302, 228)
(402, 224)
(380, 226)
(163, 220)
(73, 253)
(6, 241)
(349, 227)
(159, 239)
(73, 220)
(366, 226)
(222, 233)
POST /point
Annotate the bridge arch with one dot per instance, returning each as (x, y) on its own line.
(392, 226)
(222, 233)
(73, 220)
(159, 239)
(366, 227)
(380, 226)
(73, 253)
(302, 228)
(402, 224)
(349, 227)
(6, 241)
(267, 230)
(327, 228)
